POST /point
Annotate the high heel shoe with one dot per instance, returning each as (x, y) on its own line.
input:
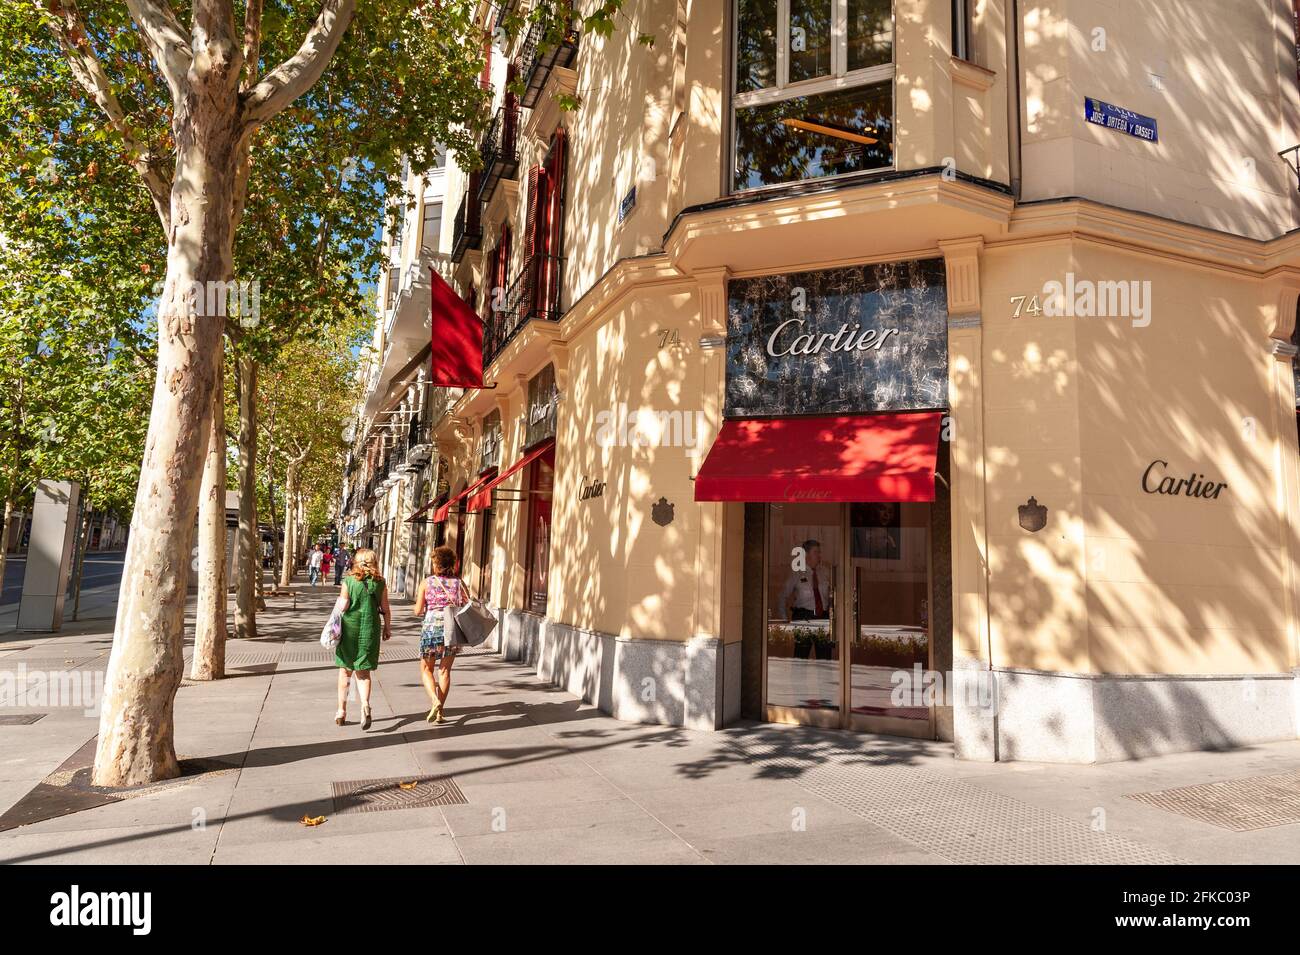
(365, 718)
(340, 716)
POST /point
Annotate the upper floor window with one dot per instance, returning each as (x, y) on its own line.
(431, 228)
(813, 90)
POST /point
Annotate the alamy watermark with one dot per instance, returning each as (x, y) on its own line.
(619, 428)
(240, 300)
(1085, 298)
(43, 689)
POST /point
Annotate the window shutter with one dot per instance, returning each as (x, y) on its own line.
(492, 279)
(549, 280)
(510, 126)
(485, 78)
(533, 240)
(503, 251)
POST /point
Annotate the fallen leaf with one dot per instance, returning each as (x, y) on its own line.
(411, 785)
(312, 820)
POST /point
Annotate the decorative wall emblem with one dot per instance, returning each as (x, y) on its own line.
(662, 512)
(1033, 516)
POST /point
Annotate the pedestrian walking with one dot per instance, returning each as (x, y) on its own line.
(440, 590)
(326, 563)
(341, 565)
(313, 565)
(366, 615)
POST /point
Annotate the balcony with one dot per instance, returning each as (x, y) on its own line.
(535, 61)
(499, 150)
(540, 274)
(467, 227)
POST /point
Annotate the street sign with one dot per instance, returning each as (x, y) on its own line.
(1120, 119)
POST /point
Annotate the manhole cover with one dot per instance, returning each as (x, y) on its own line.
(1256, 802)
(377, 795)
(20, 719)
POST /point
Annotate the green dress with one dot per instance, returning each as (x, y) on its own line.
(358, 647)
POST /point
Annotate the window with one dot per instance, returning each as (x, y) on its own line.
(537, 560)
(961, 46)
(431, 228)
(813, 89)
(485, 554)
(394, 279)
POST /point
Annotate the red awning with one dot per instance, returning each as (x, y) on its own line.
(422, 510)
(441, 513)
(457, 340)
(482, 498)
(885, 457)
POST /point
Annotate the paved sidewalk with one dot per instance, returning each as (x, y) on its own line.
(546, 778)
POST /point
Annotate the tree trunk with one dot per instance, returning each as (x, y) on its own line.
(136, 731)
(249, 561)
(5, 531)
(209, 662)
(83, 545)
(289, 558)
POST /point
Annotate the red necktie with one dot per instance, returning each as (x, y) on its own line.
(817, 596)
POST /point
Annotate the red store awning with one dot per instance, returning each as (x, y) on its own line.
(441, 513)
(884, 457)
(482, 498)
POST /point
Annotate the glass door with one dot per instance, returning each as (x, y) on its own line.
(888, 622)
(803, 678)
(848, 621)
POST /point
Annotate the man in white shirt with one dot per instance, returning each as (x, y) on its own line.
(808, 594)
(313, 565)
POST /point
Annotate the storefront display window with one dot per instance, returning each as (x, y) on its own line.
(541, 483)
(813, 90)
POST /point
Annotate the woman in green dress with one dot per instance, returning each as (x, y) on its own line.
(364, 599)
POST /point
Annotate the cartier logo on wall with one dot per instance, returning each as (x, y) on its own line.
(1157, 480)
(594, 489)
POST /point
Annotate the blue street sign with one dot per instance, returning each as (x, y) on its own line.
(1120, 119)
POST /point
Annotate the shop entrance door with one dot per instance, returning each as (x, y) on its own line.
(848, 597)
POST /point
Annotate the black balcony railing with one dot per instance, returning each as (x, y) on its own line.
(534, 294)
(499, 150)
(467, 228)
(537, 60)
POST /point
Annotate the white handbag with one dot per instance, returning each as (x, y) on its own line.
(333, 630)
(467, 625)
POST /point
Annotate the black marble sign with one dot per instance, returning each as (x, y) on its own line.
(841, 341)
(542, 399)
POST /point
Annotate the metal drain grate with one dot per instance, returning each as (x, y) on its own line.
(953, 819)
(378, 795)
(1256, 802)
(20, 719)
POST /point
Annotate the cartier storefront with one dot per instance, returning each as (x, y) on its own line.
(834, 420)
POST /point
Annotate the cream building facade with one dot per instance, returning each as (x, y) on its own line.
(1066, 227)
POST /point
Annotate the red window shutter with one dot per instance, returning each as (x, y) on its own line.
(505, 255)
(533, 240)
(490, 298)
(511, 124)
(553, 246)
(485, 78)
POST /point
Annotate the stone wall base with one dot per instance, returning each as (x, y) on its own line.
(1080, 718)
(669, 682)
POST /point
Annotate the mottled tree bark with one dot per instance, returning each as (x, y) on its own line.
(249, 556)
(209, 661)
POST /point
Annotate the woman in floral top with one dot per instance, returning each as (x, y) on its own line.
(441, 590)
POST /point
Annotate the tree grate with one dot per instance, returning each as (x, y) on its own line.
(1240, 805)
(379, 795)
(20, 719)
